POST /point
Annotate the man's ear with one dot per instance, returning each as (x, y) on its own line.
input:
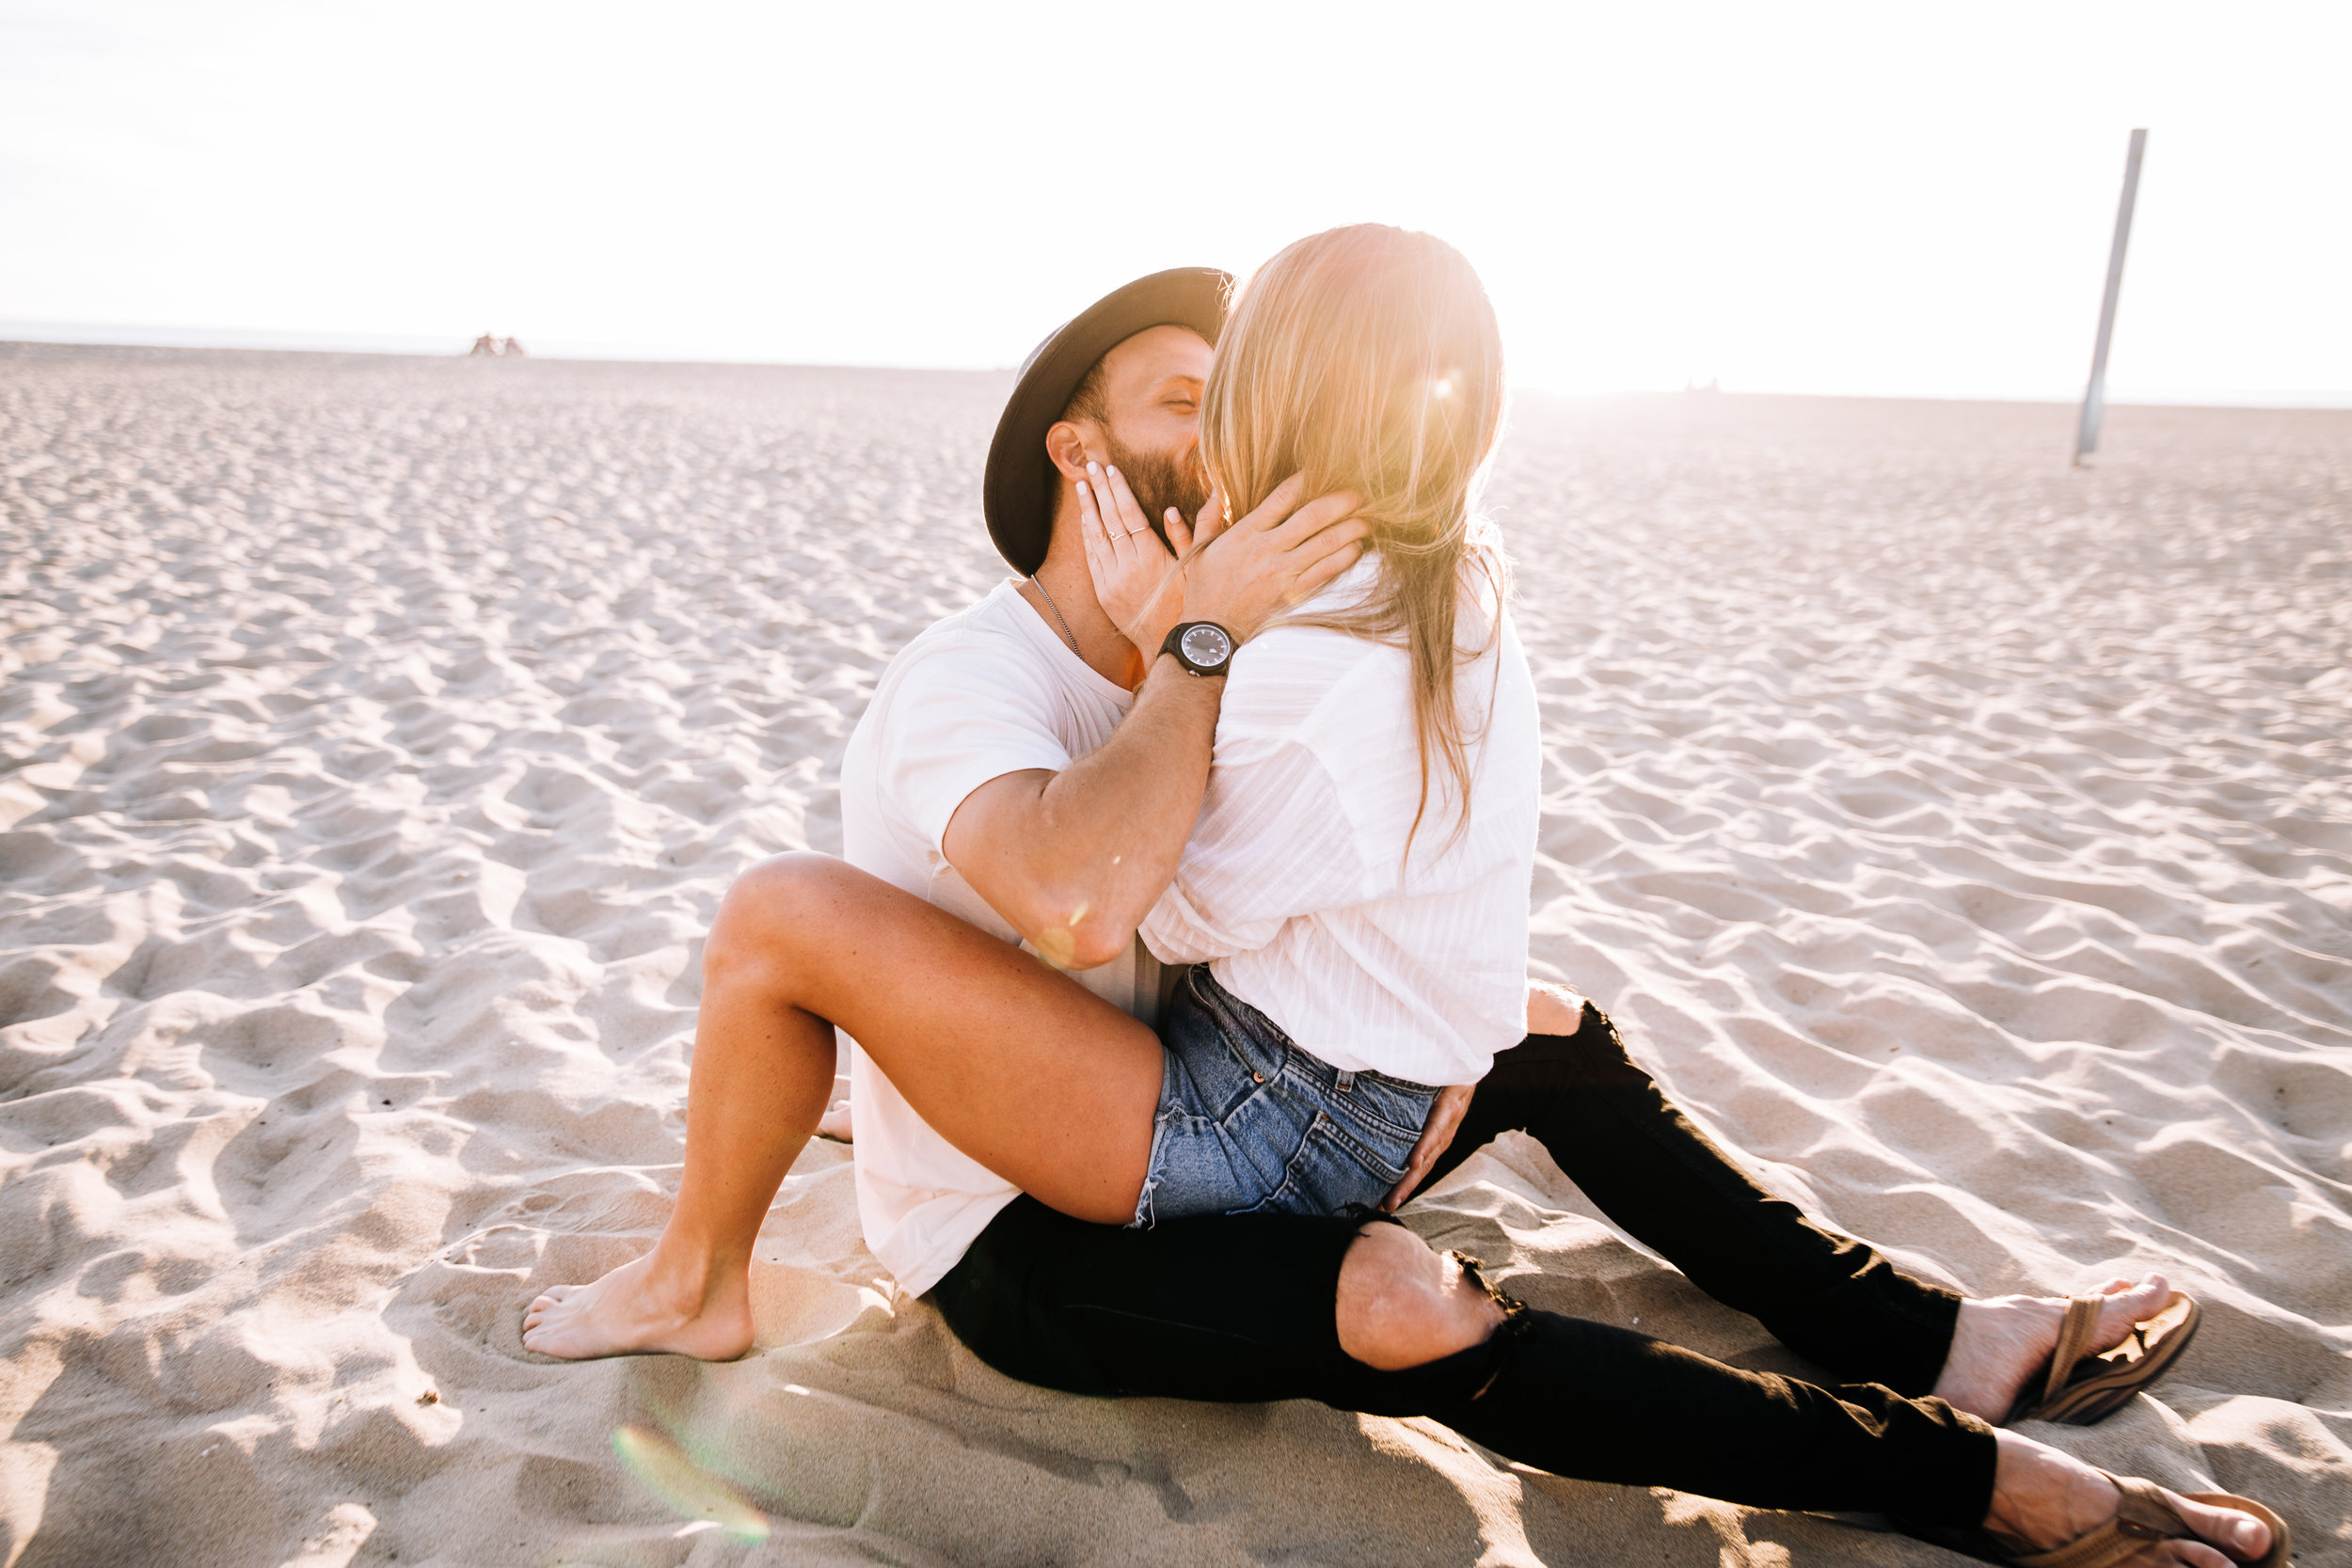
(1066, 447)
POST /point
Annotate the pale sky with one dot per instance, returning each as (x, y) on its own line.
(1878, 198)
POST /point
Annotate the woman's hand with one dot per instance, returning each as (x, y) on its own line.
(1244, 575)
(1240, 574)
(1436, 1135)
(1137, 580)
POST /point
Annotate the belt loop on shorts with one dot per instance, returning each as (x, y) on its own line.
(1345, 1082)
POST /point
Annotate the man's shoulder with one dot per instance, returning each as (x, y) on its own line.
(981, 638)
(984, 618)
(967, 696)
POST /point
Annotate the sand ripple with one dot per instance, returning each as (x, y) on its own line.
(1967, 839)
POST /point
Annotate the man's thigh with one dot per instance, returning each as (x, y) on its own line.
(1233, 1308)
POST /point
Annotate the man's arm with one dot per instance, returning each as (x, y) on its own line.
(1074, 859)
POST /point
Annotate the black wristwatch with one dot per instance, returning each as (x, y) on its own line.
(1202, 648)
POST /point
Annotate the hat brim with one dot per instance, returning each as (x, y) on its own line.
(1016, 493)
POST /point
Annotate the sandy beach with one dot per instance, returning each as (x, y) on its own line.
(1966, 840)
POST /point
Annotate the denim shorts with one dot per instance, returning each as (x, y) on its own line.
(1250, 1123)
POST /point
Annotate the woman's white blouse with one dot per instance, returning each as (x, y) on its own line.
(1295, 885)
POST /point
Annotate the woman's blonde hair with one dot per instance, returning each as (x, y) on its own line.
(1367, 359)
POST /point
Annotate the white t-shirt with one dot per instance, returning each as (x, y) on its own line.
(1295, 883)
(987, 691)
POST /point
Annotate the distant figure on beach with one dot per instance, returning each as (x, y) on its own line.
(511, 349)
(486, 345)
(1296, 745)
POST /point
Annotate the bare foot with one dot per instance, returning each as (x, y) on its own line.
(2044, 1498)
(632, 1310)
(2000, 1343)
(834, 1123)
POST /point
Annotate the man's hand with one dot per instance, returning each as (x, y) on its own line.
(1436, 1135)
(1244, 574)
(1073, 860)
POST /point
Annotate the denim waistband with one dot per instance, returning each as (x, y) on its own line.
(1239, 1018)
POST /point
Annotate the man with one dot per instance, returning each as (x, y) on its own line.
(1025, 766)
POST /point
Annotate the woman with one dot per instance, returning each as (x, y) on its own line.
(1360, 871)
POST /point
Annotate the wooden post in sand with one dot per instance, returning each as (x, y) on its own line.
(2095, 397)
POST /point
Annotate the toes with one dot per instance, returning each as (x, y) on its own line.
(2193, 1554)
(2138, 1301)
(545, 1303)
(2247, 1538)
(2241, 1536)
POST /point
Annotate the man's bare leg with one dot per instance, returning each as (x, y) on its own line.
(982, 1048)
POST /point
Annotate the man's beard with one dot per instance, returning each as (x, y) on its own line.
(1160, 480)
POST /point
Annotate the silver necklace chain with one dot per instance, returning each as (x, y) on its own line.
(1057, 620)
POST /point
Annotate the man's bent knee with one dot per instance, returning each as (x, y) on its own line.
(1552, 1008)
(1401, 1304)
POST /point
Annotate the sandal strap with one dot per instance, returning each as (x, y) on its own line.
(2142, 1515)
(2073, 1341)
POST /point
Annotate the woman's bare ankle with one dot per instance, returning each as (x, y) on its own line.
(692, 1279)
(677, 1298)
(688, 1274)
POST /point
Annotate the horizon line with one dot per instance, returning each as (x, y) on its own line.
(417, 346)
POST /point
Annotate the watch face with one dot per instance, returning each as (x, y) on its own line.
(1207, 646)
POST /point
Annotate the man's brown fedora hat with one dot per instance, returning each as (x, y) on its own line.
(1017, 494)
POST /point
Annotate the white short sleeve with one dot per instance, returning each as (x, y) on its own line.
(970, 709)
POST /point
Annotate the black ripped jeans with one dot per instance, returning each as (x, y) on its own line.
(1240, 1307)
